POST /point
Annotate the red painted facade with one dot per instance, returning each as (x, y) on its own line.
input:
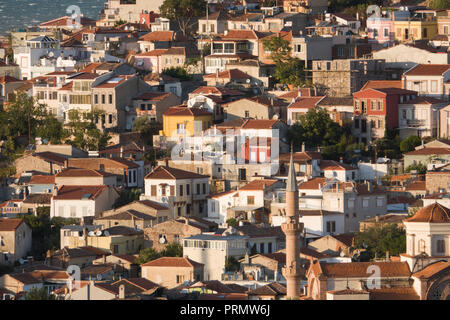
(389, 99)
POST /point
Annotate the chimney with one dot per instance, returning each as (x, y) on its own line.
(369, 186)
(55, 191)
(341, 160)
(303, 147)
(377, 218)
(122, 291)
(121, 151)
(388, 256)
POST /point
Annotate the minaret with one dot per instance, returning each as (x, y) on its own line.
(292, 229)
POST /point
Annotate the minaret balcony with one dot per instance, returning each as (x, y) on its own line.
(292, 227)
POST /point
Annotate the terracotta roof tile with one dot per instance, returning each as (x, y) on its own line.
(305, 102)
(168, 173)
(42, 179)
(228, 74)
(396, 293)
(428, 70)
(433, 269)
(433, 213)
(174, 262)
(359, 269)
(259, 124)
(80, 172)
(185, 111)
(258, 185)
(312, 184)
(429, 151)
(271, 289)
(380, 84)
(9, 224)
(79, 192)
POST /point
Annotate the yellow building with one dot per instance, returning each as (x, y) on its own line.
(116, 240)
(424, 29)
(183, 121)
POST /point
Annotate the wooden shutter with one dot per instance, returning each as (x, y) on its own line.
(153, 191)
(172, 190)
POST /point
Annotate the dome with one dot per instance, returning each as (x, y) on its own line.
(434, 213)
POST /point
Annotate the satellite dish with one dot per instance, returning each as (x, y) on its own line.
(91, 233)
(162, 239)
(127, 108)
(98, 233)
(106, 233)
(99, 277)
(51, 54)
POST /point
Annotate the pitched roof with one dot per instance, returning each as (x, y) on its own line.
(416, 186)
(9, 224)
(271, 289)
(174, 262)
(81, 172)
(38, 198)
(158, 36)
(152, 204)
(312, 184)
(25, 277)
(42, 179)
(258, 185)
(424, 100)
(380, 84)
(395, 293)
(94, 163)
(302, 92)
(432, 270)
(79, 192)
(428, 70)
(428, 151)
(259, 124)
(306, 102)
(123, 231)
(185, 111)
(128, 215)
(228, 74)
(335, 165)
(51, 157)
(153, 96)
(433, 213)
(168, 173)
(300, 156)
(217, 90)
(359, 269)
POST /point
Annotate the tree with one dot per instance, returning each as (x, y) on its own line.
(146, 128)
(379, 240)
(315, 128)
(409, 144)
(146, 255)
(183, 12)
(419, 167)
(439, 4)
(231, 264)
(39, 294)
(51, 129)
(25, 115)
(127, 196)
(288, 70)
(172, 250)
(178, 72)
(84, 132)
(232, 222)
(118, 23)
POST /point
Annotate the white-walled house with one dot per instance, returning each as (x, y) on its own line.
(82, 201)
(427, 232)
(430, 80)
(183, 192)
(419, 117)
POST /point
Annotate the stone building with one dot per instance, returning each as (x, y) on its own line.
(340, 78)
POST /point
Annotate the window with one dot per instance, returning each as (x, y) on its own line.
(103, 99)
(153, 190)
(96, 99)
(341, 52)
(440, 246)
(180, 279)
(188, 189)
(110, 118)
(434, 86)
(365, 203)
(379, 202)
(198, 188)
(110, 99)
(250, 200)
(331, 226)
(179, 211)
(180, 128)
(181, 190)
(351, 203)
(204, 188)
(373, 105)
(115, 249)
(163, 191)
(380, 105)
(261, 248)
(247, 114)
(386, 32)
(172, 190)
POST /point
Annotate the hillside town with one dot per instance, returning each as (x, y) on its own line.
(227, 150)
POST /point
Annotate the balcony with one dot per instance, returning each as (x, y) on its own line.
(412, 123)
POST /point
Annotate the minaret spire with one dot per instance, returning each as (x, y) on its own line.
(292, 229)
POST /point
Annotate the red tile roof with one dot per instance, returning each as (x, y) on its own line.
(429, 151)
(153, 96)
(41, 179)
(9, 224)
(173, 262)
(428, 70)
(79, 192)
(395, 293)
(380, 84)
(417, 186)
(6, 79)
(433, 213)
(258, 185)
(186, 111)
(306, 102)
(424, 100)
(312, 184)
(168, 173)
(228, 74)
(433, 269)
(359, 269)
(158, 36)
(217, 91)
(259, 124)
(80, 172)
